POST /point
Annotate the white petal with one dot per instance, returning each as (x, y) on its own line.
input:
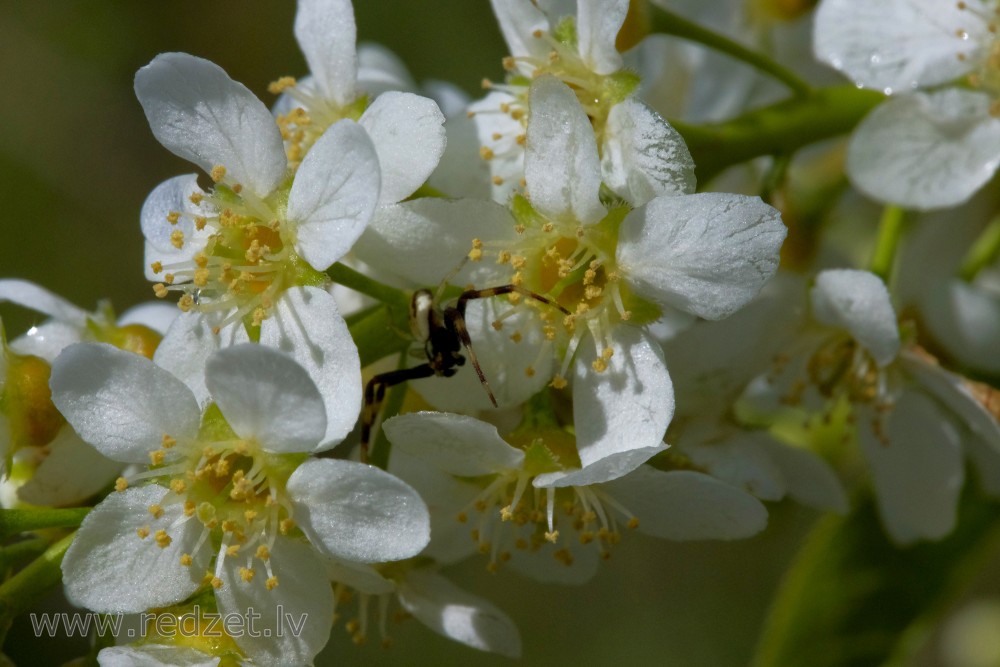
(154, 655)
(708, 254)
(408, 133)
(48, 340)
(561, 165)
(156, 315)
(327, 35)
(603, 470)
(456, 444)
(965, 320)
(519, 21)
(121, 403)
(686, 505)
(626, 407)
(306, 325)
(173, 196)
(918, 473)
(926, 151)
(450, 98)
(72, 472)
(265, 395)
(35, 297)
(106, 560)
(741, 461)
(515, 371)
(188, 344)
(809, 479)
(453, 613)
(334, 194)
(898, 44)
(858, 301)
(359, 576)
(597, 26)
(952, 391)
(197, 112)
(357, 512)
(380, 70)
(303, 598)
(424, 239)
(544, 566)
(643, 156)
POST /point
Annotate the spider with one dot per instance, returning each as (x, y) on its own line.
(443, 334)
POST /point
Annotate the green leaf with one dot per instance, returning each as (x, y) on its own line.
(17, 521)
(853, 598)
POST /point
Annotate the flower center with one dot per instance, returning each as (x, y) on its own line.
(246, 257)
(986, 75)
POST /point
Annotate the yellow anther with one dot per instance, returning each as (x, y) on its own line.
(281, 85)
(516, 336)
(200, 222)
(462, 517)
(156, 458)
(250, 515)
(552, 536)
(509, 63)
(121, 484)
(633, 523)
(162, 539)
(486, 153)
(263, 553)
(506, 513)
(189, 508)
(246, 574)
(156, 267)
(271, 582)
(177, 238)
(218, 173)
(232, 549)
(196, 197)
(607, 353)
(160, 290)
(186, 560)
(229, 526)
(173, 217)
(486, 84)
(156, 511)
(529, 372)
(216, 582)
(168, 278)
(186, 303)
(168, 441)
(558, 382)
(497, 180)
(142, 532)
(285, 525)
(599, 365)
(178, 486)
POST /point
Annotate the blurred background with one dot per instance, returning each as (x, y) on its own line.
(76, 162)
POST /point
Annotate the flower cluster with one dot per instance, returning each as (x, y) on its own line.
(601, 345)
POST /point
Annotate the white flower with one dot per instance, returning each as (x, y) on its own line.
(250, 252)
(913, 420)
(921, 149)
(48, 455)
(706, 254)
(527, 501)
(406, 130)
(231, 490)
(642, 156)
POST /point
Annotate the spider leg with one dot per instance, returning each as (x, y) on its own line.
(455, 320)
(473, 294)
(375, 393)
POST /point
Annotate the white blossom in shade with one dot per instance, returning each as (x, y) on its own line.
(47, 454)
(526, 499)
(407, 130)
(416, 586)
(913, 420)
(711, 363)
(919, 149)
(156, 655)
(642, 156)
(230, 498)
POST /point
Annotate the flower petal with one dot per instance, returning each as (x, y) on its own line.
(628, 405)
(520, 21)
(460, 616)
(917, 472)
(156, 315)
(72, 472)
(35, 297)
(381, 70)
(188, 344)
(327, 35)
(597, 26)
(898, 44)
(359, 576)
(47, 340)
(292, 620)
(858, 301)
(197, 112)
(334, 194)
(686, 505)
(456, 444)
(265, 395)
(643, 156)
(561, 164)
(357, 512)
(107, 558)
(121, 403)
(154, 655)
(306, 325)
(408, 133)
(172, 196)
(603, 470)
(739, 460)
(965, 320)
(708, 254)
(809, 479)
(926, 151)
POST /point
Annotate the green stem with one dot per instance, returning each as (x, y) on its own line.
(20, 591)
(15, 554)
(890, 231)
(983, 252)
(359, 282)
(781, 128)
(669, 23)
(17, 521)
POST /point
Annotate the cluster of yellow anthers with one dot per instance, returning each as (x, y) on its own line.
(303, 124)
(232, 490)
(247, 257)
